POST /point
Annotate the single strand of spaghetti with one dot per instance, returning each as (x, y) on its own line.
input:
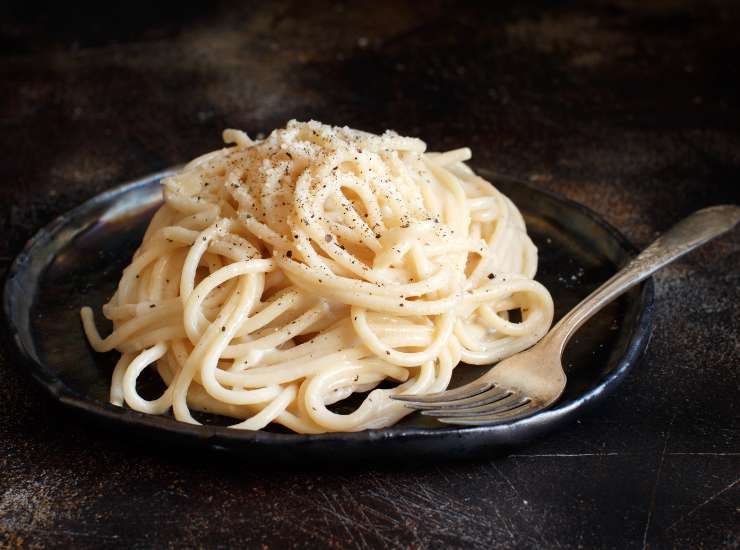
(315, 407)
(465, 337)
(432, 200)
(116, 385)
(164, 368)
(390, 304)
(445, 364)
(156, 279)
(530, 258)
(371, 374)
(199, 400)
(270, 411)
(403, 143)
(369, 201)
(186, 204)
(366, 416)
(194, 321)
(407, 359)
(125, 312)
(423, 268)
(501, 309)
(216, 342)
(288, 369)
(353, 217)
(192, 260)
(499, 349)
(194, 361)
(451, 157)
(298, 424)
(161, 218)
(508, 345)
(410, 184)
(198, 221)
(306, 318)
(509, 328)
(504, 289)
(294, 370)
(303, 250)
(207, 158)
(142, 284)
(394, 339)
(396, 244)
(483, 209)
(132, 397)
(454, 187)
(287, 300)
(212, 261)
(397, 306)
(490, 260)
(341, 335)
(234, 247)
(501, 296)
(148, 339)
(121, 332)
(325, 282)
(128, 284)
(349, 236)
(385, 185)
(420, 380)
(280, 336)
(262, 231)
(237, 137)
(270, 187)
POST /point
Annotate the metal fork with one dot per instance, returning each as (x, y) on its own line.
(532, 380)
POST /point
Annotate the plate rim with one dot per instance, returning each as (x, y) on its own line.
(224, 438)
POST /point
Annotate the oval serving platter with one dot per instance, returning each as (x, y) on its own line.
(77, 259)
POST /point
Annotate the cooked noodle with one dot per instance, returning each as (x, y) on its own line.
(281, 276)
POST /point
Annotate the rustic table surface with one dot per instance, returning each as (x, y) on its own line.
(628, 107)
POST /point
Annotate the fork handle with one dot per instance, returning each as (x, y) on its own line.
(691, 232)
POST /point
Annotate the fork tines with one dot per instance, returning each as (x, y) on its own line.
(474, 403)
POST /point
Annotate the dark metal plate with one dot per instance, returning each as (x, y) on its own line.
(77, 260)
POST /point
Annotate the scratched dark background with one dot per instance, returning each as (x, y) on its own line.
(630, 107)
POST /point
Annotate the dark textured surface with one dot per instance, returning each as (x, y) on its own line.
(628, 107)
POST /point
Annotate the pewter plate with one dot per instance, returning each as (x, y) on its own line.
(77, 259)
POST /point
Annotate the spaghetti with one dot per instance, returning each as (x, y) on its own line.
(283, 275)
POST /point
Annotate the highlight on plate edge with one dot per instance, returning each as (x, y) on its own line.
(283, 275)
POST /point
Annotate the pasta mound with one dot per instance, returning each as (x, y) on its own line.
(283, 275)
